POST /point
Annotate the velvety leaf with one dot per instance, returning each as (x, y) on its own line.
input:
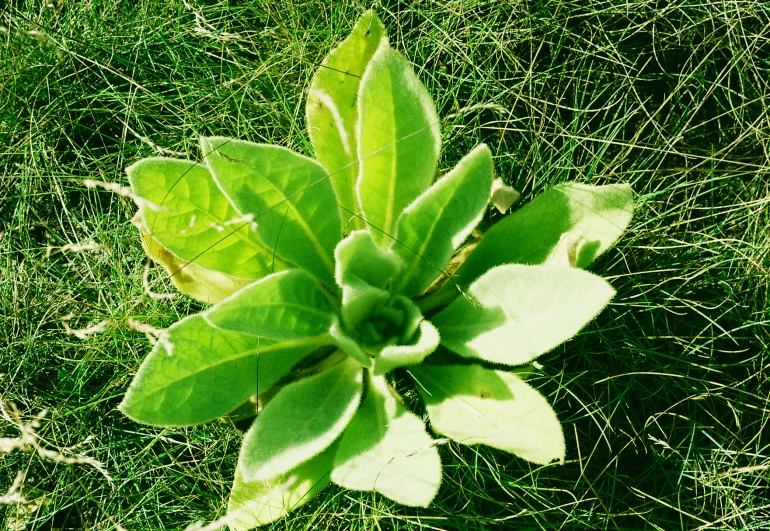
(332, 113)
(431, 229)
(195, 221)
(286, 305)
(349, 346)
(301, 421)
(197, 373)
(518, 312)
(395, 356)
(288, 195)
(398, 140)
(256, 503)
(204, 285)
(358, 256)
(530, 235)
(386, 449)
(502, 196)
(474, 405)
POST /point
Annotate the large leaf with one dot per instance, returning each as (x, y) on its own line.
(332, 113)
(198, 372)
(597, 214)
(204, 285)
(395, 356)
(288, 195)
(301, 421)
(474, 405)
(517, 312)
(195, 221)
(256, 503)
(387, 450)
(398, 140)
(431, 229)
(286, 305)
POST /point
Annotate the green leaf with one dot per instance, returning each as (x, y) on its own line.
(201, 284)
(197, 373)
(349, 345)
(301, 421)
(387, 450)
(395, 356)
(190, 216)
(332, 113)
(359, 257)
(286, 305)
(431, 229)
(288, 195)
(600, 214)
(398, 140)
(518, 312)
(474, 405)
(257, 503)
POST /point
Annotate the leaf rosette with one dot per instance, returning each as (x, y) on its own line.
(326, 275)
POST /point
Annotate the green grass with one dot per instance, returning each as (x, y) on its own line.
(665, 399)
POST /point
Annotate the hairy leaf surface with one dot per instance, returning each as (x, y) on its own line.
(387, 450)
(303, 419)
(474, 405)
(197, 373)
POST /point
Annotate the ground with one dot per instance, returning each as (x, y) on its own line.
(665, 398)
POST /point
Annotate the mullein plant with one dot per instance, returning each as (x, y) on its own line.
(325, 276)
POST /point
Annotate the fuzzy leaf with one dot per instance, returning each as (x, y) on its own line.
(332, 113)
(358, 256)
(349, 345)
(301, 421)
(398, 140)
(431, 229)
(204, 285)
(395, 356)
(387, 450)
(194, 220)
(519, 312)
(286, 305)
(288, 195)
(529, 235)
(197, 373)
(474, 405)
(257, 503)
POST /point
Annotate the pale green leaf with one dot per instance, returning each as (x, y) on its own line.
(398, 140)
(518, 312)
(197, 373)
(286, 305)
(289, 197)
(348, 345)
(386, 449)
(600, 214)
(189, 215)
(395, 356)
(257, 503)
(474, 405)
(358, 256)
(204, 285)
(301, 421)
(332, 113)
(431, 229)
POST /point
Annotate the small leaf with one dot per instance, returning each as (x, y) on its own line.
(195, 221)
(289, 197)
(474, 405)
(431, 229)
(530, 235)
(349, 345)
(387, 450)
(197, 373)
(519, 312)
(401, 355)
(257, 503)
(398, 140)
(502, 196)
(358, 256)
(204, 285)
(332, 113)
(301, 421)
(286, 305)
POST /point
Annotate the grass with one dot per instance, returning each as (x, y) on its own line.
(665, 399)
